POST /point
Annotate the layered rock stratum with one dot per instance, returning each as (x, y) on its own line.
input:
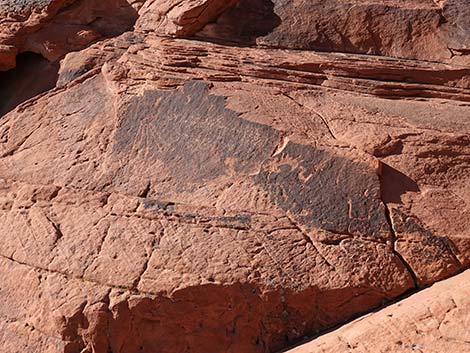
(229, 176)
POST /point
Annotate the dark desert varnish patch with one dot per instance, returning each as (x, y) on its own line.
(32, 75)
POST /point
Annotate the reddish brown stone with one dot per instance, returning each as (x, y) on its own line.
(194, 186)
(434, 320)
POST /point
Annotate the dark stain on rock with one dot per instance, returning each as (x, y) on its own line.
(240, 222)
(193, 134)
(158, 205)
(22, 6)
(456, 18)
(198, 139)
(326, 191)
(404, 223)
(170, 209)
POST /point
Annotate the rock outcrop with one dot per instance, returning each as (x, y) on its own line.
(434, 320)
(226, 176)
(54, 28)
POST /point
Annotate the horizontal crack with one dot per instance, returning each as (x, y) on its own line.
(80, 278)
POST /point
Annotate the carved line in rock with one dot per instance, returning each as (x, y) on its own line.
(324, 191)
(201, 140)
(202, 127)
(263, 312)
(192, 133)
(393, 185)
(195, 93)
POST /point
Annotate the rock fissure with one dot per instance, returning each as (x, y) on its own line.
(397, 253)
(324, 120)
(80, 278)
(310, 241)
(393, 234)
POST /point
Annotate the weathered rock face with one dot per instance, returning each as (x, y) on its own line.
(166, 193)
(433, 320)
(416, 29)
(53, 28)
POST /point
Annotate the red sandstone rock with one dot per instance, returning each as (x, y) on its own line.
(417, 29)
(168, 194)
(434, 320)
(53, 28)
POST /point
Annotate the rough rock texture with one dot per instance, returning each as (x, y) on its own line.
(53, 28)
(434, 320)
(190, 186)
(417, 29)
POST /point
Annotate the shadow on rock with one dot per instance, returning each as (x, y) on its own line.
(243, 23)
(32, 75)
(215, 318)
(393, 184)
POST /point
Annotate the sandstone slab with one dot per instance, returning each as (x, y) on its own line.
(433, 320)
(186, 186)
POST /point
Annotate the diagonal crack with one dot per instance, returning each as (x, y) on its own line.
(323, 119)
(156, 240)
(310, 241)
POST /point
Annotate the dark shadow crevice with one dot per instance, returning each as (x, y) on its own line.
(32, 75)
(242, 24)
(35, 73)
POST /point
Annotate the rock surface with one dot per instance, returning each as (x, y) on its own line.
(434, 320)
(184, 184)
(53, 28)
